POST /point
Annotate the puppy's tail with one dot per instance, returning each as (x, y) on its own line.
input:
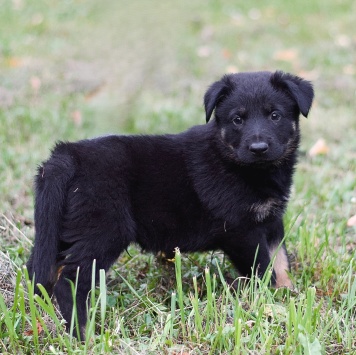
(51, 185)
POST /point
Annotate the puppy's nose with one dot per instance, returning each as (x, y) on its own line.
(258, 147)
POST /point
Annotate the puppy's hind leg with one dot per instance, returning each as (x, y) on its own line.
(81, 255)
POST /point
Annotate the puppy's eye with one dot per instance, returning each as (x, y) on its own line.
(237, 120)
(275, 116)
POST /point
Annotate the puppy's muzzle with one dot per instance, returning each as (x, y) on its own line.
(258, 148)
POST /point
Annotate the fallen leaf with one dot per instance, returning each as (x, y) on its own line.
(207, 33)
(29, 332)
(37, 19)
(226, 53)
(17, 4)
(309, 75)
(204, 51)
(14, 62)
(35, 83)
(230, 69)
(343, 41)
(286, 55)
(39, 329)
(77, 118)
(94, 92)
(349, 69)
(254, 14)
(319, 148)
(352, 221)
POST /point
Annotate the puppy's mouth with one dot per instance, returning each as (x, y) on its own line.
(268, 158)
(258, 163)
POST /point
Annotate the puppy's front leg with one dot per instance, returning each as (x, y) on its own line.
(278, 253)
(249, 254)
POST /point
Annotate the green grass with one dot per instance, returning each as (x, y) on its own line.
(75, 69)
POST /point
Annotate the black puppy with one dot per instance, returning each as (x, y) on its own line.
(223, 185)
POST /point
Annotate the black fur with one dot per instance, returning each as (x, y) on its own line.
(223, 185)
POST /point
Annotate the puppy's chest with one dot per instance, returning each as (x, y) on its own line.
(262, 209)
(245, 203)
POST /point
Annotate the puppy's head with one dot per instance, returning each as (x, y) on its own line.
(258, 114)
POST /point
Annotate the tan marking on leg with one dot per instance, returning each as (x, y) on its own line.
(59, 272)
(280, 266)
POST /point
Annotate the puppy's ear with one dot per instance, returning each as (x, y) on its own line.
(215, 94)
(301, 90)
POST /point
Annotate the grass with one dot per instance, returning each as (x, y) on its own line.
(75, 69)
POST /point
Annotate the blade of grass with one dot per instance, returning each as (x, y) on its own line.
(178, 269)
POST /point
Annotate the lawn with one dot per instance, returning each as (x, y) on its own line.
(76, 69)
